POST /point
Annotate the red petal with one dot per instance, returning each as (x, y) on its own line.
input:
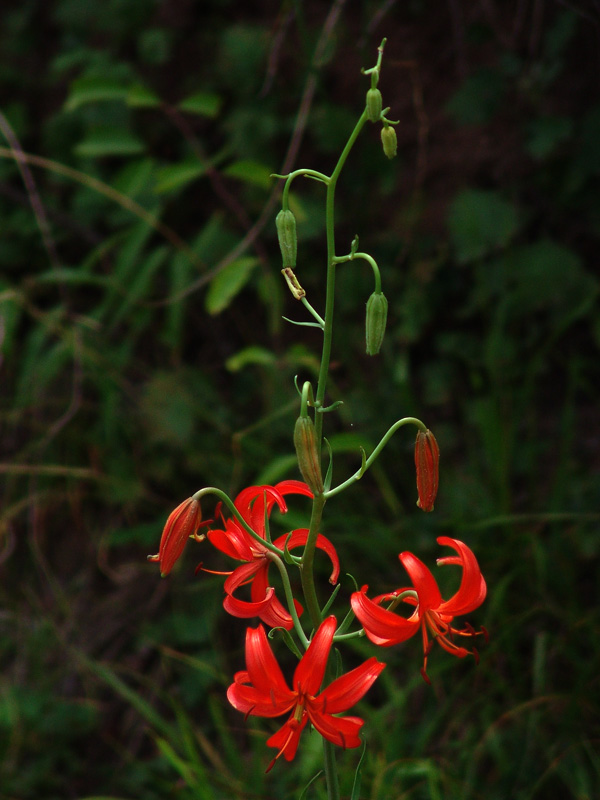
(262, 666)
(383, 627)
(286, 739)
(298, 539)
(472, 590)
(234, 542)
(274, 614)
(256, 703)
(245, 609)
(342, 731)
(348, 689)
(309, 673)
(242, 575)
(423, 581)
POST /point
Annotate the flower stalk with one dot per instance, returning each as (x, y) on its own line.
(242, 531)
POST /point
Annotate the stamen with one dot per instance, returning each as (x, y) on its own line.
(201, 568)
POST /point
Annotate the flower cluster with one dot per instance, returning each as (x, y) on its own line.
(260, 689)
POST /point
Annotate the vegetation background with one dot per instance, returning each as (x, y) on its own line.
(143, 355)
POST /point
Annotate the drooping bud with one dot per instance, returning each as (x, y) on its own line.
(389, 140)
(182, 523)
(427, 459)
(374, 105)
(286, 233)
(305, 442)
(377, 308)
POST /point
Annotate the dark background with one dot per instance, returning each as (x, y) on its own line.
(143, 356)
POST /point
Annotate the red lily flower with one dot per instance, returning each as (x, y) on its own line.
(182, 523)
(262, 691)
(427, 459)
(254, 504)
(432, 614)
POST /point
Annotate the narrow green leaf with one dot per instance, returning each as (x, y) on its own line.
(139, 96)
(309, 784)
(109, 141)
(249, 171)
(93, 89)
(357, 775)
(250, 355)
(206, 104)
(174, 176)
(229, 282)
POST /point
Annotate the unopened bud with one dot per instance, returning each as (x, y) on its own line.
(305, 442)
(374, 105)
(427, 459)
(286, 233)
(377, 307)
(389, 141)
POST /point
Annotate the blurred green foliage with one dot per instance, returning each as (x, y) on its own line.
(143, 355)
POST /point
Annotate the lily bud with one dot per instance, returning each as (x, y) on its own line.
(374, 105)
(389, 140)
(286, 233)
(305, 442)
(427, 459)
(377, 308)
(182, 523)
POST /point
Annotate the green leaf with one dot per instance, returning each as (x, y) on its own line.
(250, 355)
(139, 96)
(206, 104)
(109, 141)
(228, 282)
(93, 89)
(480, 222)
(252, 172)
(175, 176)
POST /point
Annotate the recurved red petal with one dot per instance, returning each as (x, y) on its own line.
(423, 581)
(383, 627)
(274, 614)
(472, 590)
(245, 609)
(298, 539)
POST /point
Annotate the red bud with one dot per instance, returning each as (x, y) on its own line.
(427, 459)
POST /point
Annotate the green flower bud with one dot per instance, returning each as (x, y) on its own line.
(374, 105)
(377, 307)
(389, 141)
(286, 233)
(305, 442)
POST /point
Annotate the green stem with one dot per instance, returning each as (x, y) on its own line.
(331, 776)
(309, 589)
(289, 596)
(366, 257)
(359, 473)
